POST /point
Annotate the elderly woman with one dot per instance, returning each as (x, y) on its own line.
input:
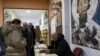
(13, 39)
(59, 46)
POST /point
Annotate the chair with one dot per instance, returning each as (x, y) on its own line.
(77, 51)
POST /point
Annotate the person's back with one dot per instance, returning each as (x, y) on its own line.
(33, 33)
(31, 36)
(65, 48)
(24, 30)
(15, 43)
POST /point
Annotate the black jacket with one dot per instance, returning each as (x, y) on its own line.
(24, 33)
(29, 35)
(60, 47)
(1, 35)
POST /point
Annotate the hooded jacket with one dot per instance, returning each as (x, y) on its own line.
(15, 43)
(60, 47)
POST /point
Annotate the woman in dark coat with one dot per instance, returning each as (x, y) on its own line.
(59, 46)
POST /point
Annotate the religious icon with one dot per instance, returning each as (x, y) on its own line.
(82, 7)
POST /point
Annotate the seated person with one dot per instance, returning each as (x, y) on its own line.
(59, 46)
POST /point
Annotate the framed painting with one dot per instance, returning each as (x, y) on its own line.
(85, 23)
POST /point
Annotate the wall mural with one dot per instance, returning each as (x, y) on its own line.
(86, 23)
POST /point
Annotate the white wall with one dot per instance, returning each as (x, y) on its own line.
(66, 16)
(12, 14)
(66, 19)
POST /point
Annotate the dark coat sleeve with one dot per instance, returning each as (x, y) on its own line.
(51, 46)
(59, 49)
(62, 49)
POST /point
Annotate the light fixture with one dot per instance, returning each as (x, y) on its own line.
(28, 11)
(29, 21)
(6, 20)
(37, 23)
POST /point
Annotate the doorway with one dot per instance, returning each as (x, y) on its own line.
(39, 18)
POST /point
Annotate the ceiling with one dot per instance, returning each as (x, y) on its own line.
(26, 15)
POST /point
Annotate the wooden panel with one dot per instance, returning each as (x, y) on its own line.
(25, 4)
(1, 14)
(29, 0)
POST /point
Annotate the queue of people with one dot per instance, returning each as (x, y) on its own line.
(28, 32)
(20, 41)
(15, 42)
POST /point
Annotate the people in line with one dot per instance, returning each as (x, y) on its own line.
(28, 32)
(13, 39)
(32, 29)
(59, 46)
(32, 36)
(20, 41)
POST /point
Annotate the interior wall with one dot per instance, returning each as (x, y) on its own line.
(21, 4)
(1, 13)
(50, 10)
(25, 4)
(50, 15)
(66, 20)
(12, 14)
(66, 10)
